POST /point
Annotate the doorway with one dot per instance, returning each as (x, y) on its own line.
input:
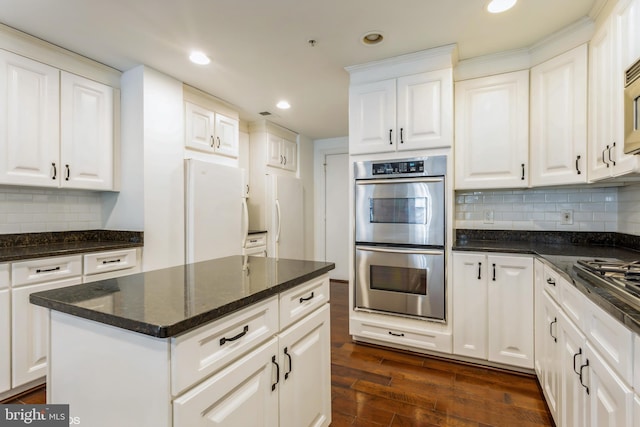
(336, 206)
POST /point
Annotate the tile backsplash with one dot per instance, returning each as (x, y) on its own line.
(629, 209)
(30, 210)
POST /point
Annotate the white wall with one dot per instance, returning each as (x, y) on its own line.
(306, 172)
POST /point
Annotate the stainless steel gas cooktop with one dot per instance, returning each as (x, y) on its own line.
(620, 277)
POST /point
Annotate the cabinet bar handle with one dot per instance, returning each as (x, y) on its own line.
(390, 133)
(610, 159)
(218, 138)
(555, 320)
(401, 137)
(581, 368)
(603, 159)
(307, 298)
(66, 178)
(479, 271)
(273, 360)
(285, 159)
(223, 340)
(47, 270)
(286, 353)
(522, 178)
(281, 159)
(212, 142)
(55, 171)
(578, 165)
(111, 261)
(494, 272)
(574, 360)
(396, 335)
(551, 281)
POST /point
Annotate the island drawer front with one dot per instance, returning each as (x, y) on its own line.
(103, 262)
(45, 269)
(302, 300)
(203, 351)
(4, 276)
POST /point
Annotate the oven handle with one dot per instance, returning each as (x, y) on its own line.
(409, 251)
(398, 180)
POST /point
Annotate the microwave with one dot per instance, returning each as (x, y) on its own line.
(632, 109)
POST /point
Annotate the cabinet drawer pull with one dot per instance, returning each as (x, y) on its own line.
(522, 178)
(551, 281)
(396, 335)
(613, 162)
(494, 272)
(390, 133)
(285, 159)
(310, 297)
(574, 360)
(218, 138)
(555, 320)
(603, 159)
(55, 171)
(273, 360)
(112, 261)
(281, 159)
(66, 178)
(47, 270)
(581, 368)
(578, 165)
(401, 137)
(212, 142)
(286, 353)
(479, 271)
(223, 340)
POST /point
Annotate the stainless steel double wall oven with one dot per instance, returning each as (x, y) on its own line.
(400, 237)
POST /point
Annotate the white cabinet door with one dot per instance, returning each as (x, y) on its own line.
(538, 289)
(274, 151)
(636, 410)
(551, 369)
(575, 399)
(86, 133)
(558, 146)
(492, 131)
(5, 341)
(227, 135)
(470, 305)
(372, 117)
(30, 332)
(305, 368)
(425, 110)
(290, 154)
(199, 125)
(510, 310)
(29, 122)
(245, 393)
(611, 400)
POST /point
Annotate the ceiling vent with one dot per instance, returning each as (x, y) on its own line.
(264, 113)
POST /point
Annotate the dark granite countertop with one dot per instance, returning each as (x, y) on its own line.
(167, 302)
(18, 247)
(561, 255)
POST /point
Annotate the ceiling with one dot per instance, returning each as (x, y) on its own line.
(259, 48)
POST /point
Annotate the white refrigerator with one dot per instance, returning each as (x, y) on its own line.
(216, 215)
(284, 217)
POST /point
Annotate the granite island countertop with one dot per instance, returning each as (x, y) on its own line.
(167, 302)
(561, 254)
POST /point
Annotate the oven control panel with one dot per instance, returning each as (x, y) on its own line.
(394, 168)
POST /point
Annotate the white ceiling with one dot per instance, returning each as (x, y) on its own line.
(259, 48)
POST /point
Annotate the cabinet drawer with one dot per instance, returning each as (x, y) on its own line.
(199, 353)
(612, 340)
(551, 281)
(572, 302)
(45, 269)
(4, 276)
(255, 240)
(405, 338)
(302, 300)
(102, 262)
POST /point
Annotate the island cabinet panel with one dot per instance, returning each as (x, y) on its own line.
(5, 330)
(199, 353)
(242, 394)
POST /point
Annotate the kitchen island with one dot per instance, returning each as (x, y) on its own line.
(234, 341)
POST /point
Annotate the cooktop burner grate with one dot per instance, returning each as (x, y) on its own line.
(620, 277)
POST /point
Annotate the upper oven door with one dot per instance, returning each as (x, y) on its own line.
(632, 116)
(406, 211)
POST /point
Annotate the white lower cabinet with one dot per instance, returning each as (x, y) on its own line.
(575, 399)
(493, 308)
(636, 410)
(548, 354)
(5, 340)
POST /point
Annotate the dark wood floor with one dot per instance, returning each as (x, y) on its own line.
(373, 386)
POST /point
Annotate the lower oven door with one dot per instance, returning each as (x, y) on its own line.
(405, 281)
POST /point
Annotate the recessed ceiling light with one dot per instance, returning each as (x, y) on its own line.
(498, 6)
(372, 38)
(199, 58)
(283, 105)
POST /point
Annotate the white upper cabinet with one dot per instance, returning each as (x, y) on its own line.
(57, 128)
(29, 122)
(282, 153)
(211, 132)
(411, 112)
(611, 50)
(558, 138)
(86, 134)
(492, 131)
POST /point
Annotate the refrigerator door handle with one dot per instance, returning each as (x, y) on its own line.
(245, 221)
(278, 213)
